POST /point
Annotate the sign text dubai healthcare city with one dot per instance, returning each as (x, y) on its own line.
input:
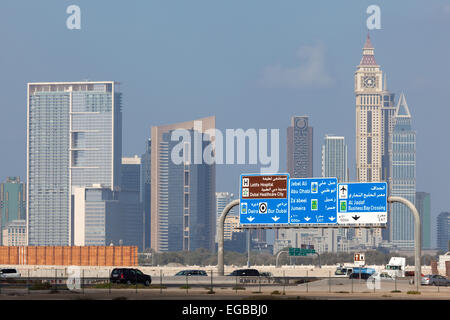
(278, 200)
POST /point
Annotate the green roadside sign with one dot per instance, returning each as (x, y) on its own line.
(300, 251)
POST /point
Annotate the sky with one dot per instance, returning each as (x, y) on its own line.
(252, 64)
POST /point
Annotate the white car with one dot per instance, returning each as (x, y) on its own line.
(9, 273)
(382, 276)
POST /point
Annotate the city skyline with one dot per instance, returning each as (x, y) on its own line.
(142, 114)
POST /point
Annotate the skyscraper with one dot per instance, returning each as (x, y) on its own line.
(423, 205)
(443, 231)
(403, 176)
(300, 148)
(374, 123)
(334, 164)
(130, 202)
(145, 192)
(74, 139)
(12, 201)
(334, 158)
(98, 218)
(299, 165)
(183, 208)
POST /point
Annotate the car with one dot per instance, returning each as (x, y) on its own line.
(130, 276)
(343, 271)
(245, 273)
(435, 280)
(192, 273)
(9, 273)
(382, 276)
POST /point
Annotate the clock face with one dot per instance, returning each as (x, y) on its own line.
(301, 123)
(369, 81)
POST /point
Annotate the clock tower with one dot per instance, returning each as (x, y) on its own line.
(369, 117)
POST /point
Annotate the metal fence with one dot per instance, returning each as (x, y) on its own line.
(82, 281)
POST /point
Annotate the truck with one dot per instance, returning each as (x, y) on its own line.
(396, 267)
(361, 273)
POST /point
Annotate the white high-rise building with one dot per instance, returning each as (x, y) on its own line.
(74, 140)
(334, 158)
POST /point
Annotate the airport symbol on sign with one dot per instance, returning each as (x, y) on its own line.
(362, 203)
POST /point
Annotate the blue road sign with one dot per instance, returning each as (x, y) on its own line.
(362, 203)
(263, 199)
(313, 201)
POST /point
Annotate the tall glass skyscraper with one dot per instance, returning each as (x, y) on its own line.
(130, 202)
(443, 231)
(403, 176)
(74, 139)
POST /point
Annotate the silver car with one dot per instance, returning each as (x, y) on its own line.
(9, 273)
(435, 280)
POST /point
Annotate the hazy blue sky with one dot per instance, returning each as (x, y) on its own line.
(237, 60)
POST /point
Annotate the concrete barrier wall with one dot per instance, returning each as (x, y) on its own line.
(166, 271)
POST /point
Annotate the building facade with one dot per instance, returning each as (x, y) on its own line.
(130, 202)
(97, 217)
(423, 205)
(334, 165)
(443, 231)
(146, 192)
(222, 199)
(374, 125)
(299, 155)
(15, 233)
(403, 176)
(300, 148)
(74, 139)
(12, 201)
(183, 207)
(334, 158)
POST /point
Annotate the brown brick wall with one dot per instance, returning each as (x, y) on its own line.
(79, 256)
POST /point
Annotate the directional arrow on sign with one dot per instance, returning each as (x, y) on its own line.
(307, 218)
(251, 219)
(275, 218)
(355, 217)
(332, 218)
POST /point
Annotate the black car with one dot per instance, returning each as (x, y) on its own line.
(245, 273)
(192, 273)
(130, 276)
